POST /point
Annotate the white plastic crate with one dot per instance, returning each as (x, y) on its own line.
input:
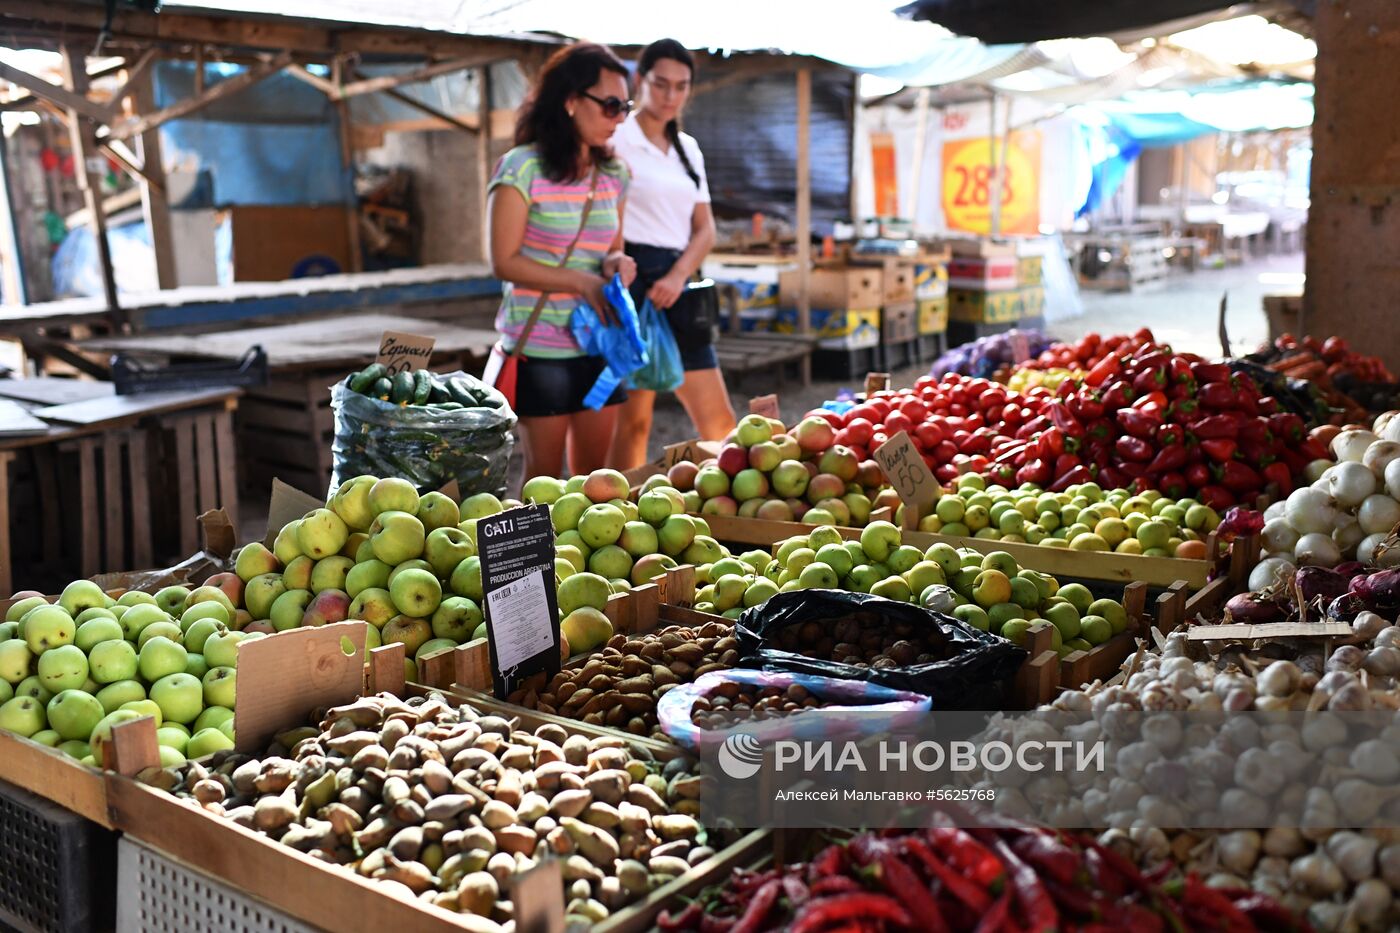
(156, 894)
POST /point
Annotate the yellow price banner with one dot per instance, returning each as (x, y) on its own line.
(969, 183)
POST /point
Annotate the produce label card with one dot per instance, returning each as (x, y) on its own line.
(876, 382)
(517, 576)
(399, 352)
(907, 472)
(765, 405)
(693, 451)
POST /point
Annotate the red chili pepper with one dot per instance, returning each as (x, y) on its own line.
(713, 924)
(1052, 442)
(1268, 913)
(1172, 484)
(1268, 405)
(1118, 394)
(1256, 430)
(1218, 396)
(1238, 477)
(1184, 410)
(1197, 475)
(1225, 915)
(906, 887)
(1035, 471)
(1035, 902)
(1170, 434)
(1210, 372)
(1261, 455)
(1100, 430)
(1086, 404)
(964, 889)
(835, 884)
(1100, 371)
(1061, 417)
(1131, 470)
(1133, 448)
(759, 907)
(1110, 477)
(1009, 454)
(1079, 474)
(1049, 856)
(1219, 449)
(967, 855)
(998, 918)
(1181, 370)
(1065, 462)
(1150, 380)
(1214, 426)
(1279, 475)
(1139, 422)
(688, 919)
(826, 911)
(1168, 459)
(830, 861)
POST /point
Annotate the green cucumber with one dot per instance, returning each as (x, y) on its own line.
(422, 386)
(361, 381)
(382, 388)
(403, 388)
(448, 406)
(461, 392)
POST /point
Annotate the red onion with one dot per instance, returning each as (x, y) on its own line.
(1248, 607)
(1319, 582)
(1380, 590)
(1345, 608)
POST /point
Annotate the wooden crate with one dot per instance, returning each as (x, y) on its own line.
(933, 316)
(199, 461)
(899, 323)
(837, 288)
(285, 430)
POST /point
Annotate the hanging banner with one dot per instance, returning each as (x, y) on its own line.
(968, 184)
(886, 178)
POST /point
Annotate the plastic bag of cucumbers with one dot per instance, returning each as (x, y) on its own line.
(425, 427)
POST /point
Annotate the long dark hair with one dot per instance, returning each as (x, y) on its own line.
(542, 118)
(670, 48)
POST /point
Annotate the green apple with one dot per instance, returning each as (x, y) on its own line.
(75, 749)
(573, 555)
(195, 665)
(10, 630)
(879, 539)
(97, 630)
(456, 618)
(893, 588)
(48, 627)
(321, 533)
(815, 576)
(260, 593)
(583, 590)
(102, 732)
(221, 649)
(81, 595)
(563, 570)
(1078, 595)
(173, 736)
(393, 494)
(211, 718)
(639, 539)
(22, 716)
(410, 632)
(73, 714)
(49, 737)
(610, 561)
(207, 742)
(903, 558)
(466, 580)
(445, 548)
(161, 656)
(219, 686)
(703, 550)
(415, 564)
(63, 668)
(1111, 610)
(287, 611)
(1064, 617)
(601, 524)
(370, 574)
(416, 593)
(6, 690)
(254, 560)
(396, 537)
(545, 489)
(226, 727)
(172, 599)
(655, 507)
(198, 633)
(168, 630)
(114, 695)
(351, 502)
(974, 615)
(207, 593)
(209, 609)
(145, 708)
(17, 611)
(138, 617)
(179, 696)
(330, 573)
(96, 612)
(373, 605)
(135, 598)
(437, 510)
(297, 575)
(433, 646)
(372, 640)
(481, 505)
(1096, 629)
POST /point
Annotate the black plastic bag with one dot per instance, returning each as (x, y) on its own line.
(424, 444)
(971, 675)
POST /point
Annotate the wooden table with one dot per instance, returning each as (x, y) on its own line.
(287, 426)
(116, 481)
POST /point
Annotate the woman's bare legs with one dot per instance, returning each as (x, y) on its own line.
(629, 439)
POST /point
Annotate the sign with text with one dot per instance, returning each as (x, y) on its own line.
(767, 406)
(693, 451)
(907, 472)
(876, 382)
(517, 575)
(400, 352)
(970, 183)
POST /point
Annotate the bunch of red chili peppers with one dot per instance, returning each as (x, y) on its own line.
(945, 879)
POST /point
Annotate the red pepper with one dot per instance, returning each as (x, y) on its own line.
(1169, 434)
(998, 919)
(710, 923)
(1215, 426)
(1151, 400)
(1197, 475)
(964, 889)
(1118, 394)
(1217, 497)
(1053, 443)
(1217, 396)
(967, 855)
(1035, 471)
(1288, 427)
(1313, 449)
(1100, 430)
(1207, 902)
(1256, 430)
(1086, 404)
(1079, 474)
(1061, 417)
(1110, 477)
(1150, 380)
(1210, 372)
(759, 907)
(835, 884)
(826, 911)
(1133, 448)
(1131, 470)
(1010, 454)
(1181, 370)
(830, 861)
(1065, 462)
(1183, 390)
(688, 919)
(1261, 455)
(1238, 477)
(1172, 484)
(1138, 422)
(1219, 449)
(1279, 475)
(1100, 371)
(1184, 410)
(1268, 405)
(1035, 902)
(906, 887)
(1168, 459)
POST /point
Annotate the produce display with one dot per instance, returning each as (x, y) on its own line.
(986, 356)
(1348, 381)
(449, 803)
(423, 388)
(1016, 877)
(72, 669)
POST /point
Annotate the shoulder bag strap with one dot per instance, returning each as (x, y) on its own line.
(544, 295)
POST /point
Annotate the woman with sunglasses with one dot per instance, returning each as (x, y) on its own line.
(555, 207)
(669, 229)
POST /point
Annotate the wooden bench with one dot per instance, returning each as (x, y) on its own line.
(741, 354)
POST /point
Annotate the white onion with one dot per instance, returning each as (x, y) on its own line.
(1350, 483)
(1388, 426)
(1348, 535)
(1312, 510)
(1279, 535)
(1366, 551)
(1378, 513)
(1383, 419)
(1392, 479)
(1314, 470)
(1317, 550)
(1270, 571)
(1275, 510)
(1379, 455)
(1351, 445)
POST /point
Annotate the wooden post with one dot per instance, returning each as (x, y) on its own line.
(483, 155)
(155, 206)
(347, 162)
(804, 200)
(920, 142)
(88, 168)
(857, 119)
(14, 290)
(999, 170)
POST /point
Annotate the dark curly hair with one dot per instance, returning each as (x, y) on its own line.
(542, 119)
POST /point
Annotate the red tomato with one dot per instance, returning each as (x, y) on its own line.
(976, 464)
(945, 451)
(914, 410)
(1011, 414)
(878, 439)
(992, 398)
(931, 433)
(959, 396)
(960, 410)
(830, 417)
(859, 430)
(897, 421)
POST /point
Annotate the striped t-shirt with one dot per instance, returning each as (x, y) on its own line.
(555, 211)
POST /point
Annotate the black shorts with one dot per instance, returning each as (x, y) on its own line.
(545, 387)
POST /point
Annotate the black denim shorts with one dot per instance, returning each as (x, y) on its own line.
(545, 387)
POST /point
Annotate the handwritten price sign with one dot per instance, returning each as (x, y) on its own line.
(904, 467)
(876, 382)
(399, 352)
(765, 405)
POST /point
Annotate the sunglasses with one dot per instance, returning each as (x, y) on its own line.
(611, 106)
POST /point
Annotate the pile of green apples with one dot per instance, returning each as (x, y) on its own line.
(1082, 518)
(72, 669)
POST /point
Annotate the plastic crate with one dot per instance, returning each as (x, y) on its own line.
(157, 894)
(133, 378)
(58, 870)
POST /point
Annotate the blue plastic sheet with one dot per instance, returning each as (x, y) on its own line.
(664, 371)
(620, 345)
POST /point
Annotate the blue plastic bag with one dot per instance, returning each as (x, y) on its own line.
(620, 345)
(664, 371)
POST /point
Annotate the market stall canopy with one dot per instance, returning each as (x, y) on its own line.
(1002, 21)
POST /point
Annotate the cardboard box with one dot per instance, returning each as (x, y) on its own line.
(830, 323)
(978, 247)
(838, 288)
(933, 315)
(1032, 301)
(982, 273)
(899, 323)
(748, 294)
(1030, 270)
(863, 340)
(930, 281)
(271, 244)
(982, 307)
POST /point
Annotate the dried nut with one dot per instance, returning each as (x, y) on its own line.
(601, 815)
(668, 865)
(679, 848)
(598, 846)
(477, 893)
(273, 813)
(497, 814)
(501, 866)
(208, 791)
(699, 854)
(608, 786)
(515, 839)
(633, 876)
(643, 796)
(576, 750)
(671, 827)
(570, 802)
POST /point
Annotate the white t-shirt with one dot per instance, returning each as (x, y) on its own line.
(661, 198)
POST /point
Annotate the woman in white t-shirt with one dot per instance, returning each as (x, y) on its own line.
(668, 230)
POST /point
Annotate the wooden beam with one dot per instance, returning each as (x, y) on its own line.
(77, 103)
(347, 162)
(133, 74)
(155, 203)
(144, 123)
(803, 226)
(83, 136)
(130, 161)
(384, 82)
(110, 205)
(306, 77)
(425, 108)
(25, 101)
(483, 155)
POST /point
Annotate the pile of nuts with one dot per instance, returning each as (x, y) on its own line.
(620, 685)
(447, 805)
(865, 640)
(730, 702)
